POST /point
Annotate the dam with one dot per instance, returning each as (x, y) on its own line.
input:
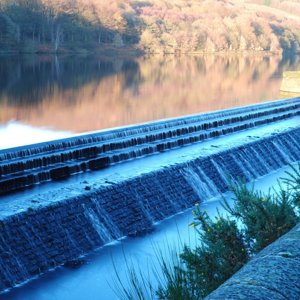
(62, 199)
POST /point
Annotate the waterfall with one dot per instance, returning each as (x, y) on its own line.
(210, 176)
(200, 182)
(101, 229)
(46, 236)
(203, 121)
(57, 160)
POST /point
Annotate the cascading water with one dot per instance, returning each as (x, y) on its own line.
(26, 166)
(200, 182)
(35, 240)
(100, 227)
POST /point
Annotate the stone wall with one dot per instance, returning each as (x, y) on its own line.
(273, 274)
(37, 240)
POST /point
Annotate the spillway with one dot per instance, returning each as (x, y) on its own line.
(25, 166)
(92, 189)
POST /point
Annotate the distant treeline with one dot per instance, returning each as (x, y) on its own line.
(163, 26)
(32, 26)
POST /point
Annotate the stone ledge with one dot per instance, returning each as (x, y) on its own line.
(272, 274)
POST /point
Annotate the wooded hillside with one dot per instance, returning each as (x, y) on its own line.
(169, 26)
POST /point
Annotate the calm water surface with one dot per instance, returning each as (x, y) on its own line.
(47, 97)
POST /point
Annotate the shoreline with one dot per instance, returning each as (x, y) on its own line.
(135, 52)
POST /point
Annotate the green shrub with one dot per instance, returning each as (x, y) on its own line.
(221, 253)
(292, 182)
(265, 216)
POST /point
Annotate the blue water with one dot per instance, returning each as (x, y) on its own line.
(94, 280)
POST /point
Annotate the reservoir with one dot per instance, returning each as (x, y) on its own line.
(50, 97)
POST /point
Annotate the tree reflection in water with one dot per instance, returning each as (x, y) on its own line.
(89, 93)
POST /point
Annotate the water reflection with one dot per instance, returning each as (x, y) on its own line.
(27, 81)
(82, 94)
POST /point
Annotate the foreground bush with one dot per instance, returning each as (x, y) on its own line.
(264, 217)
(226, 243)
(221, 253)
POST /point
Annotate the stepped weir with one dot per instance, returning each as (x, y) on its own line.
(64, 198)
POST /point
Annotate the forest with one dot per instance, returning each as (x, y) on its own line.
(149, 26)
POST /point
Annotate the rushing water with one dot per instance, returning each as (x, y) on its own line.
(95, 279)
(57, 96)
